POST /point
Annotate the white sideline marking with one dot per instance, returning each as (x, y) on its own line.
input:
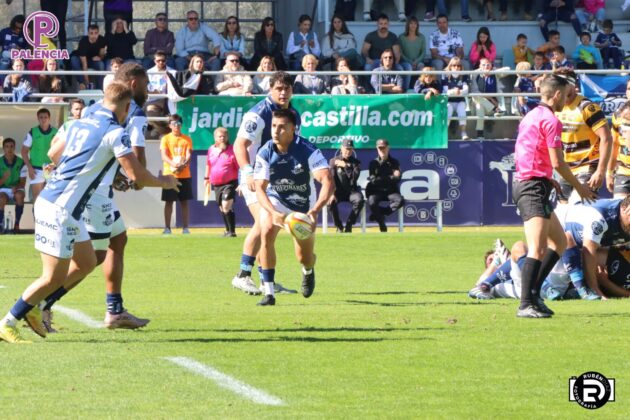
(78, 316)
(227, 382)
(2, 287)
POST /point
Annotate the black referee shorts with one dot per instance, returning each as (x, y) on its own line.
(225, 192)
(532, 198)
(185, 191)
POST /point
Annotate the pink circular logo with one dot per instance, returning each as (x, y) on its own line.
(44, 24)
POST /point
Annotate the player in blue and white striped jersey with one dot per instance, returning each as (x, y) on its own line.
(93, 145)
(284, 173)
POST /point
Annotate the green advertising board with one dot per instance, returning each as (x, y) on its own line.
(406, 121)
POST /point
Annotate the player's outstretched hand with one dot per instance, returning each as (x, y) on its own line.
(312, 214)
(586, 193)
(596, 181)
(610, 182)
(169, 182)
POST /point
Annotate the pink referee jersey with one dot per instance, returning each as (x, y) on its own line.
(223, 165)
(539, 131)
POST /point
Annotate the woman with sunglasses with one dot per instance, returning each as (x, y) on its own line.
(268, 41)
(232, 41)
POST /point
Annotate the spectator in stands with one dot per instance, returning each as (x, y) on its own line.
(268, 41)
(59, 8)
(521, 51)
(446, 43)
(585, 55)
(483, 47)
(340, 43)
(345, 9)
(222, 174)
(525, 84)
(35, 151)
(19, 85)
(158, 83)
(159, 39)
(548, 47)
(117, 9)
(12, 38)
(558, 10)
(591, 14)
(442, 10)
(485, 82)
(376, 42)
(89, 55)
(490, 10)
(261, 81)
(176, 150)
(539, 65)
(384, 82)
(232, 41)
(233, 84)
(114, 65)
(428, 84)
(345, 169)
(384, 177)
(12, 182)
(608, 43)
(309, 82)
(344, 83)
(559, 59)
(193, 39)
(413, 47)
(193, 78)
(302, 42)
(51, 83)
(400, 6)
(456, 86)
(120, 42)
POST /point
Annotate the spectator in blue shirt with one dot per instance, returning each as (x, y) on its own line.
(232, 41)
(609, 45)
(12, 38)
(585, 55)
(383, 82)
(193, 39)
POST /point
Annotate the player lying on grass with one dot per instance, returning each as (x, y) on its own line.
(284, 173)
(93, 145)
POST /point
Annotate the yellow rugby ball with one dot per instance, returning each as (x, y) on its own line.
(298, 225)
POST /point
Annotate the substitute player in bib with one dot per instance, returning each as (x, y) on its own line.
(618, 174)
(284, 173)
(537, 153)
(93, 145)
(586, 140)
(103, 220)
(254, 132)
(12, 182)
(35, 151)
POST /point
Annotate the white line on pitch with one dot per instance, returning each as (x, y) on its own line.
(2, 287)
(227, 382)
(78, 316)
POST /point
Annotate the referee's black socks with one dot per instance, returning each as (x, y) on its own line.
(529, 274)
(550, 259)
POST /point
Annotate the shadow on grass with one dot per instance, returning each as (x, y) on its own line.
(383, 293)
(290, 339)
(367, 302)
(310, 329)
(447, 292)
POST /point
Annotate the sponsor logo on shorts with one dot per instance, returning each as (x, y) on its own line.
(45, 241)
(106, 207)
(47, 225)
(591, 390)
(109, 220)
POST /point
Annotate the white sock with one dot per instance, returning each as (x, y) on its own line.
(9, 320)
(305, 271)
(269, 288)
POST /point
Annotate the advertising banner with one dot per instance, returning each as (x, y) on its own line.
(607, 90)
(406, 121)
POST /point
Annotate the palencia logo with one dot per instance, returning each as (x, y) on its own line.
(591, 390)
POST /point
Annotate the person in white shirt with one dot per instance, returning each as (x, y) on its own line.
(302, 42)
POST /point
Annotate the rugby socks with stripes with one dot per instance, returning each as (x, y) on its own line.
(500, 275)
(572, 260)
(529, 273)
(114, 303)
(54, 297)
(17, 312)
(550, 259)
(268, 278)
(247, 264)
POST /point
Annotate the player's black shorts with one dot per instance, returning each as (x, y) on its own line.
(532, 198)
(567, 188)
(225, 192)
(618, 267)
(622, 184)
(185, 191)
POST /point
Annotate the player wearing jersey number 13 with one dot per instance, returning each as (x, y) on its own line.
(284, 172)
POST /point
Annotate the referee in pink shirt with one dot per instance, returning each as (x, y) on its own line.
(222, 174)
(537, 153)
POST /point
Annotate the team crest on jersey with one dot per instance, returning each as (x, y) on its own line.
(597, 228)
(297, 169)
(614, 267)
(125, 140)
(250, 126)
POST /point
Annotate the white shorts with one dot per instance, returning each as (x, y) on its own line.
(248, 195)
(507, 290)
(102, 221)
(56, 231)
(39, 177)
(9, 192)
(276, 205)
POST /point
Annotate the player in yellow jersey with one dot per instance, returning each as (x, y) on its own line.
(586, 140)
(618, 174)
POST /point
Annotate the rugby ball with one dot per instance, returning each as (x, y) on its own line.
(298, 225)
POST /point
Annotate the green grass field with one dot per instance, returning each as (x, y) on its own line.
(389, 333)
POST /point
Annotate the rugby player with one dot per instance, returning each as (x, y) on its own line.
(93, 145)
(538, 152)
(254, 132)
(284, 173)
(618, 174)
